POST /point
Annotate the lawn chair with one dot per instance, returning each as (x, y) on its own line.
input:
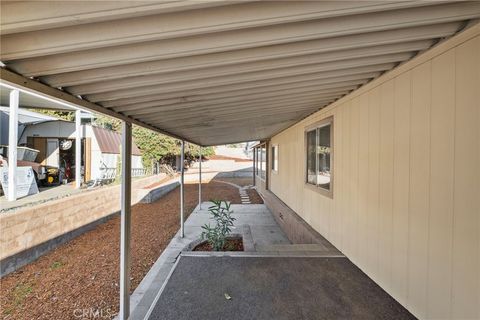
(107, 176)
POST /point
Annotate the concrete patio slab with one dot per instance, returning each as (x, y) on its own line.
(257, 217)
(272, 288)
(262, 237)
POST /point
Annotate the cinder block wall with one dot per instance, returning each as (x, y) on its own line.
(26, 228)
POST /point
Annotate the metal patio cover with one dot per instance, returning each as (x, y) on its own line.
(211, 71)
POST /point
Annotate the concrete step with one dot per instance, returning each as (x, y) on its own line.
(293, 247)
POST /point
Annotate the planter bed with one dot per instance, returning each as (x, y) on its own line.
(232, 244)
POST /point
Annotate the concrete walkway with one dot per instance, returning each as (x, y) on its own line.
(280, 288)
(262, 237)
(254, 222)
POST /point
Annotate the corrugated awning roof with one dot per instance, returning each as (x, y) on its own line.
(215, 72)
(32, 102)
(28, 117)
(109, 141)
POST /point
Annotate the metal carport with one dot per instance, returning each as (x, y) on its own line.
(214, 72)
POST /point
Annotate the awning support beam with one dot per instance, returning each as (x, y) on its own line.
(78, 149)
(200, 179)
(182, 188)
(125, 221)
(35, 87)
(12, 146)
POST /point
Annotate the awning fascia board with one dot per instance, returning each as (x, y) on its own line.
(10, 78)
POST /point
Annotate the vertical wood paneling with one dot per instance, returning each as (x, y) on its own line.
(373, 169)
(465, 289)
(478, 187)
(298, 149)
(363, 180)
(339, 188)
(307, 207)
(406, 206)
(386, 184)
(327, 203)
(441, 186)
(346, 221)
(419, 189)
(401, 180)
(354, 143)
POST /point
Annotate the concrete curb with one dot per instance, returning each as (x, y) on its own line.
(159, 192)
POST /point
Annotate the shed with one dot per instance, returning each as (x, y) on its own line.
(100, 148)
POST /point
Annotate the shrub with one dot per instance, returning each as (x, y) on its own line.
(217, 234)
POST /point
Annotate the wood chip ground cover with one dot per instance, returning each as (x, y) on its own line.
(82, 275)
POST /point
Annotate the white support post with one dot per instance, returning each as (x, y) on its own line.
(78, 149)
(200, 179)
(125, 222)
(12, 145)
(182, 190)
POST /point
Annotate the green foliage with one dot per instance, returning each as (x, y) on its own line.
(64, 115)
(56, 265)
(108, 123)
(155, 147)
(217, 234)
(20, 292)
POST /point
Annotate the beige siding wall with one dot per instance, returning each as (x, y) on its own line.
(406, 200)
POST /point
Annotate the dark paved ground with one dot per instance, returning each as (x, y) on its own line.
(273, 288)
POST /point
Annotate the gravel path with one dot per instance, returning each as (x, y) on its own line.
(83, 274)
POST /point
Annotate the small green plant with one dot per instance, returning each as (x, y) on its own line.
(20, 292)
(217, 234)
(56, 265)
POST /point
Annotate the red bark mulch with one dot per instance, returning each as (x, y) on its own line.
(230, 245)
(158, 183)
(254, 196)
(84, 273)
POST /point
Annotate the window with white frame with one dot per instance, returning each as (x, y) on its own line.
(275, 158)
(260, 162)
(319, 155)
(263, 162)
(257, 162)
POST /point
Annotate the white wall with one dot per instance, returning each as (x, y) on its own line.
(96, 154)
(50, 129)
(406, 202)
(67, 130)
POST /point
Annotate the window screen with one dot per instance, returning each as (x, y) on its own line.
(318, 154)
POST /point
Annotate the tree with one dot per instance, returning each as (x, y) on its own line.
(155, 146)
(108, 123)
(64, 115)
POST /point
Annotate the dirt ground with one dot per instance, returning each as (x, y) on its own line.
(83, 274)
(220, 157)
(242, 182)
